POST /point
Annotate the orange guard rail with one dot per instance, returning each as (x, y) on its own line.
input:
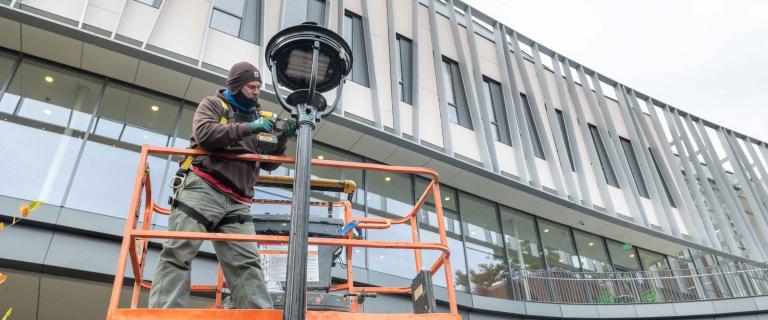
(136, 242)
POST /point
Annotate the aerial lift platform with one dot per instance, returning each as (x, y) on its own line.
(136, 238)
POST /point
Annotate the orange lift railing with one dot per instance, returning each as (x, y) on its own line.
(135, 246)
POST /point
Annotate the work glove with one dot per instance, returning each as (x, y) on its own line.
(288, 130)
(261, 125)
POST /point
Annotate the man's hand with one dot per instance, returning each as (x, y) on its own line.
(288, 130)
(261, 125)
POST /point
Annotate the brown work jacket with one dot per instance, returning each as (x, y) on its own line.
(234, 137)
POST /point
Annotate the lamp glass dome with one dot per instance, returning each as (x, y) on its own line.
(289, 54)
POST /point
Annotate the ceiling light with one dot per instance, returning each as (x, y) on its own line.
(591, 243)
(632, 255)
(447, 198)
(48, 79)
(47, 111)
(155, 108)
(387, 179)
(546, 230)
(320, 157)
(561, 260)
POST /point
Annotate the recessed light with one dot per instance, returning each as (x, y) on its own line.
(546, 230)
(320, 157)
(47, 111)
(48, 79)
(591, 243)
(43, 128)
(155, 108)
(387, 179)
(561, 260)
(632, 255)
(447, 198)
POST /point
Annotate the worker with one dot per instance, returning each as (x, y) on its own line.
(214, 194)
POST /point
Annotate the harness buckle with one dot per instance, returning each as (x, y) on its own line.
(177, 180)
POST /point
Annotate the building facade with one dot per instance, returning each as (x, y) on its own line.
(546, 164)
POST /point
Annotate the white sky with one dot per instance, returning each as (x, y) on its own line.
(707, 57)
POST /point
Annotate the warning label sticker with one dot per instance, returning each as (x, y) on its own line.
(274, 260)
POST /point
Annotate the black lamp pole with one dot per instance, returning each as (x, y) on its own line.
(287, 54)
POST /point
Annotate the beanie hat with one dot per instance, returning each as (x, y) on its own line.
(240, 74)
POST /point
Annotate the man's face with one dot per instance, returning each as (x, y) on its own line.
(251, 89)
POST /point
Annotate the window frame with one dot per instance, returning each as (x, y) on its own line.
(452, 81)
(538, 148)
(602, 155)
(404, 76)
(634, 167)
(500, 126)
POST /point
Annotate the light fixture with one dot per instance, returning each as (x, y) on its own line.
(546, 230)
(155, 108)
(591, 243)
(48, 79)
(561, 260)
(47, 111)
(387, 179)
(308, 60)
(632, 255)
(447, 198)
(320, 157)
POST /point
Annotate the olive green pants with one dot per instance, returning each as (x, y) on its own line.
(239, 260)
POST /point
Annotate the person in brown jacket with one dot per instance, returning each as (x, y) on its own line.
(214, 194)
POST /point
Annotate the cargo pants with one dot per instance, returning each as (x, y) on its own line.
(239, 260)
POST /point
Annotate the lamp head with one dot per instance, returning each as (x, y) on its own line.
(289, 55)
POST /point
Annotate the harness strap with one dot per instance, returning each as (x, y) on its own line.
(208, 224)
(223, 120)
(195, 215)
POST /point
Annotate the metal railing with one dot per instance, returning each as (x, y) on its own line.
(732, 281)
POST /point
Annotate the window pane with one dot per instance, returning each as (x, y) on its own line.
(523, 247)
(234, 7)
(493, 96)
(390, 196)
(663, 182)
(429, 233)
(591, 252)
(39, 146)
(538, 151)
(404, 67)
(353, 34)
(558, 247)
(448, 85)
(104, 179)
(561, 122)
(225, 23)
(316, 11)
(610, 175)
(461, 99)
(623, 256)
(634, 167)
(653, 261)
(488, 274)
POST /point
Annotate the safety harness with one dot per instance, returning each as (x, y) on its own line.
(177, 182)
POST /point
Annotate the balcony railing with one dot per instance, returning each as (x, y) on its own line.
(733, 281)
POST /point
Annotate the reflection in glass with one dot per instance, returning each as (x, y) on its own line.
(488, 272)
(591, 252)
(623, 256)
(390, 195)
(47, 111)
(558, 247)
(104, 179)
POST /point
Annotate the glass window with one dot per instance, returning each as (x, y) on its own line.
(458, 110)
(713, 284)
(316, 11)
(653, 261)
(153, 3)
(591, 252)
(493, 95)
(353, 34)
(663, 182)
(488, 272)
(558, 247)
(610, 175)
(46, 113)
(6, 66)
(523, 249)
(239, 18)
(538, 151)
(404, 68)
(104, 179)
(686, 283)
(634, 167)
(390, 196)
(623, 256)
(429, 233)
(561, 123)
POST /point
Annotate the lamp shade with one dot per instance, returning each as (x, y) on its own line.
(289, 56)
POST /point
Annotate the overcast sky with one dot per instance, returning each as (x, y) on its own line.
(707, 57)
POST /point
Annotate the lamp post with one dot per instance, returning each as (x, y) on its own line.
(308, 60)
